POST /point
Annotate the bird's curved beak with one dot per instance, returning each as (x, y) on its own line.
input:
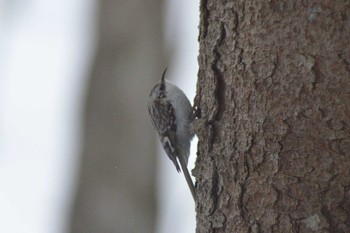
(163, 76)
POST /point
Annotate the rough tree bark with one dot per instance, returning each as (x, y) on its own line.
(273, 100)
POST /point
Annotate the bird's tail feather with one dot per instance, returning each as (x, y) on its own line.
(187, 177)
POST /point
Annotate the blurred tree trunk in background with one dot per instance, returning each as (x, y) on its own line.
(116, 190)
(274, 105)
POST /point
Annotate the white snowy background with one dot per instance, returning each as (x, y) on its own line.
(46, 49)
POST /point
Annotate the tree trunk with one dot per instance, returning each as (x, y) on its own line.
(273, 105)
(116, 191)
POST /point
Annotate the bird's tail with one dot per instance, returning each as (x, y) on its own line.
(187, 177)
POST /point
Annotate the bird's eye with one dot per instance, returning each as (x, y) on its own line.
(162, 87)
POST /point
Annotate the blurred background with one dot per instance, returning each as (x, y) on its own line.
(77, 150)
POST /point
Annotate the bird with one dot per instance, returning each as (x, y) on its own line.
(170, 112)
